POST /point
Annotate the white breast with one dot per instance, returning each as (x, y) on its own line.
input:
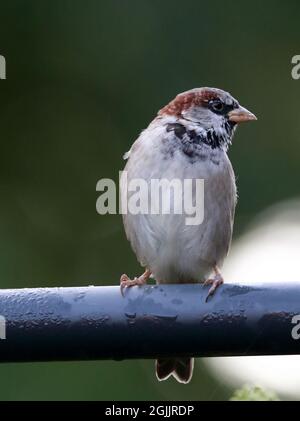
(172, 250)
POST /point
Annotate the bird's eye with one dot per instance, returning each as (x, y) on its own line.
(217, 106)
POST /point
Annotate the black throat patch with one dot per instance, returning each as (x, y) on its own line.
(191, 141)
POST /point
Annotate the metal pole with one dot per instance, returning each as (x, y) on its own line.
(88, 323)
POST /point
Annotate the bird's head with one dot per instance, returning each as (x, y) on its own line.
(214, 110)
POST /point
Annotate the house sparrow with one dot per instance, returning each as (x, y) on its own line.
(188, 139)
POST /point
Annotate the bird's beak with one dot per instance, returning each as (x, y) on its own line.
(241, 114)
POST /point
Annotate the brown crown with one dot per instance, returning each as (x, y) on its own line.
(188, 99)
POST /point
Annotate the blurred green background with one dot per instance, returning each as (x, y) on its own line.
(84, 77)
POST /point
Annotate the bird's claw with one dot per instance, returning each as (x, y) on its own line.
(125, 281)
(215, 282)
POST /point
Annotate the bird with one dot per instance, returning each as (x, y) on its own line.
(188, 139)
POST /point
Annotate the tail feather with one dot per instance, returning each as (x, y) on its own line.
(180, 368)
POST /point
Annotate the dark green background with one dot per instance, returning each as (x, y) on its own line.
(84, 77)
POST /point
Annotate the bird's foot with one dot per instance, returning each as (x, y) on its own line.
(215, 282)
(125, 281)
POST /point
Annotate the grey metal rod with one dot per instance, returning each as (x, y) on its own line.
(87, 323)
